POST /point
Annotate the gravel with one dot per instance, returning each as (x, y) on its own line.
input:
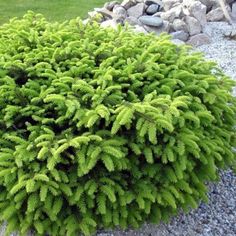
(218, 217)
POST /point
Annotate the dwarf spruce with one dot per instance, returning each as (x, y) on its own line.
(103, 128)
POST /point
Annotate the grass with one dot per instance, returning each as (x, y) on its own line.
(53, 10)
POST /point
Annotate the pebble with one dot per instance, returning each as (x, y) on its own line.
(151, 21)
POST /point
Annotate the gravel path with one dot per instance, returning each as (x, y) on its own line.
(218, 217)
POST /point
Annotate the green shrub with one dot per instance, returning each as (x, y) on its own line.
(103, 128)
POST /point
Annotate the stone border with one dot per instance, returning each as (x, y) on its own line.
(182, 19)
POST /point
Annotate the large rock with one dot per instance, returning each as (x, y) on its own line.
(194, 27)
(157, 2)
(179, 25)
(110, 5)
(151, 21)
(150, 2)
(177, 42)
(181, 35)
(128, 3)
(215, 15)
(152, 9)
(137, 10)
(109, 23)
(234, 10)
(171, 14)
(132, 20)
(208, 3)
(199, 39)
(198, 10)
(139, 29)
(105, 12)
(168, 4)
(120, 11)
(158, 30)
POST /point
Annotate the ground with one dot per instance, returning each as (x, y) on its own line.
(55, 10)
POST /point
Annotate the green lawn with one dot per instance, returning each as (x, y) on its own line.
(58, 10)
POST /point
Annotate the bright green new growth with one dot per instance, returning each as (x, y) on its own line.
(104, 128)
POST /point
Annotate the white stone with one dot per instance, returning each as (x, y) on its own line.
(92, 14)
(198, 10)
(139, 29)
(110, 5)
(120, 11)
(185, 10)
(137, 10)
(179, 25)
(109, 23)
(199, 39)
(177, 42)
(215, 15)
(104, 12)
(194, 27)
(172, 14)
(168, 4)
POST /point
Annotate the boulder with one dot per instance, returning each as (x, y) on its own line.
(105, 12)
(132, 20)
(109, 23)
(194, 27)
(150, 2)
(158, 30)
(128, 3)
(215, 15)
(170, 15)
(177, 42)
(234, 10)
(151, 21)
(179, 25)
(208, 3)
(198, 10)
(139, 29)
(137, 10)
(110, 5)
(120, 11)
(168, 4)
(158, 2)
(199, 39)
(152, 9)
(181, 35)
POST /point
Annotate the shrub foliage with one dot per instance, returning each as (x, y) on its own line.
(104, 128)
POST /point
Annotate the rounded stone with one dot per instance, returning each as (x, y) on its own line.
(151, 21)
(152, 9)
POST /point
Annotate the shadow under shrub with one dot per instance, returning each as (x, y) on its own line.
(104, 128)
